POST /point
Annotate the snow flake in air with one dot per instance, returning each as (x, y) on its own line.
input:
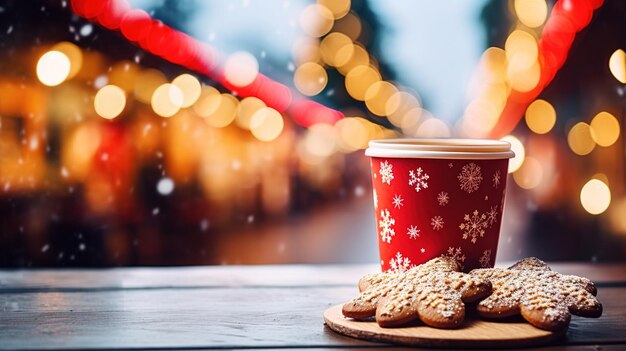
(418, 178)
(386, 172)
(400, 263)
(165, 186)
(397, 201)
(470, 177)
(473, 226)
(386, 224)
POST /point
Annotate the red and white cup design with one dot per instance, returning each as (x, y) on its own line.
(435, 197)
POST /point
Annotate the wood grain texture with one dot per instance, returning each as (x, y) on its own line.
(213, 307)
(473, 333)
(213, 318)
(237, 276)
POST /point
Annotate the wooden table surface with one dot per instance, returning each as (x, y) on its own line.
(225, 307)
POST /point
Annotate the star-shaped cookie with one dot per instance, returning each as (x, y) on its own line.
(434, 292)
(543, 297)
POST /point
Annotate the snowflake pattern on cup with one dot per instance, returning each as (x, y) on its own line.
(386, 224)
(418, 178)
(443, 198)
(436, 222)
(473, 226)
(413, 232)
(465, 228)
(400, 263)
(470, 177)
(386, 172)
(496, 179)
(397, 201)
(457, 255)
(485, 259)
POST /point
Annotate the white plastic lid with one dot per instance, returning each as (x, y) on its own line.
(446, 148)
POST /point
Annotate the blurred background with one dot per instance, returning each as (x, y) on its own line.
(161, 132)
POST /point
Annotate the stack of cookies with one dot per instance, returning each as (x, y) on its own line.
(436, 292)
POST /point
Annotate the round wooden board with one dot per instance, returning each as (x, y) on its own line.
(473, 333)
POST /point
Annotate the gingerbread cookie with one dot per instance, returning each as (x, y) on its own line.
(434, 292)
(543, 297)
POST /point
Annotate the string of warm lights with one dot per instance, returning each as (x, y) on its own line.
(330, 40)
(508, 81)
(238, 72)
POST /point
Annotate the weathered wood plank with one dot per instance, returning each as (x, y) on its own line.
(235, 276)
(214, 318)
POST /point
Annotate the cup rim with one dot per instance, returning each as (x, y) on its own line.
(443, 148)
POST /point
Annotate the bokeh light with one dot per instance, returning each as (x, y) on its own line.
(360, 79)
(617, 65)
(190, 87)
(266, 124)
(520, 153)
(353, 134)
(310, 78)
(241, 69)
(53, 68)
(540, 116)
(531, 13)
(595, 196)
(338, 8)
(336, 49)
(208, 101)
(433, 128)
(316, 20)
(110, 101)
(147, 82)
(523, 70)
(73, 53)
(359, 57)
(320, 140)
(246, 109)
(580, 140)
(167, 100)
(224, 107)
(530, 173)
(377, 96)
(604, 129)
(349, 25)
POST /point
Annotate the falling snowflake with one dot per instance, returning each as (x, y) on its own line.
(386, 172)
(457, 255)
(375, 199)
(436, 222)
(492, 215)
(443, 198)
(397, 201)
(400, 263)
(485, 259)
(413, 232)
(418, 178)
(474, 226)
(470, 177)
(386, 224)
(496, 179)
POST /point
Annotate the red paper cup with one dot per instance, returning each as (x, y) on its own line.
(436, 197)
